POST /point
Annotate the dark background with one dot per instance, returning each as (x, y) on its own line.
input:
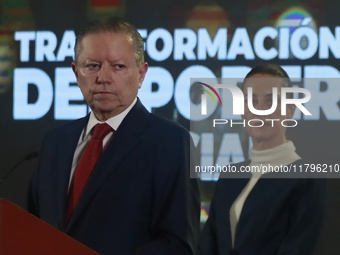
(316, 141)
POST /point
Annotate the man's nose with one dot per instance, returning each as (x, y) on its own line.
(104, 74)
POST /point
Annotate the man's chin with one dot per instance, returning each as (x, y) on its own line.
(108, 110)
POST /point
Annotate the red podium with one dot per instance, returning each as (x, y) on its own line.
(23, 233)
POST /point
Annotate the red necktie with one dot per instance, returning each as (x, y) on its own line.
(85, 165)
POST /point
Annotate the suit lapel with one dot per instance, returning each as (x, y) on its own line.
(68, 144)
(242, 230)
(233, 188)
(125, 140)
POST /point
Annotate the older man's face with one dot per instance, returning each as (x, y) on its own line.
(107, 72)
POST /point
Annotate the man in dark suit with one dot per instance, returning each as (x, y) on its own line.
(138, 198)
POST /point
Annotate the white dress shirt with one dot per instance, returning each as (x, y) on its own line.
(85, 136)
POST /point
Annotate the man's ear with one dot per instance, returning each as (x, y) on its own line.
(142, 72)
(74, 69)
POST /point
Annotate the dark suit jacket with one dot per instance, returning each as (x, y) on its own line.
(139, 199)
(279, 217)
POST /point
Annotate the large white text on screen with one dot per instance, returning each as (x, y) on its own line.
(181, 45)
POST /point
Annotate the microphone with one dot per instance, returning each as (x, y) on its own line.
(29, 156)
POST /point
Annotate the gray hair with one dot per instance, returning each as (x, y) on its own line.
(116, 25)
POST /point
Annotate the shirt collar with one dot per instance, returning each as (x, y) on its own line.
(114, 121)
